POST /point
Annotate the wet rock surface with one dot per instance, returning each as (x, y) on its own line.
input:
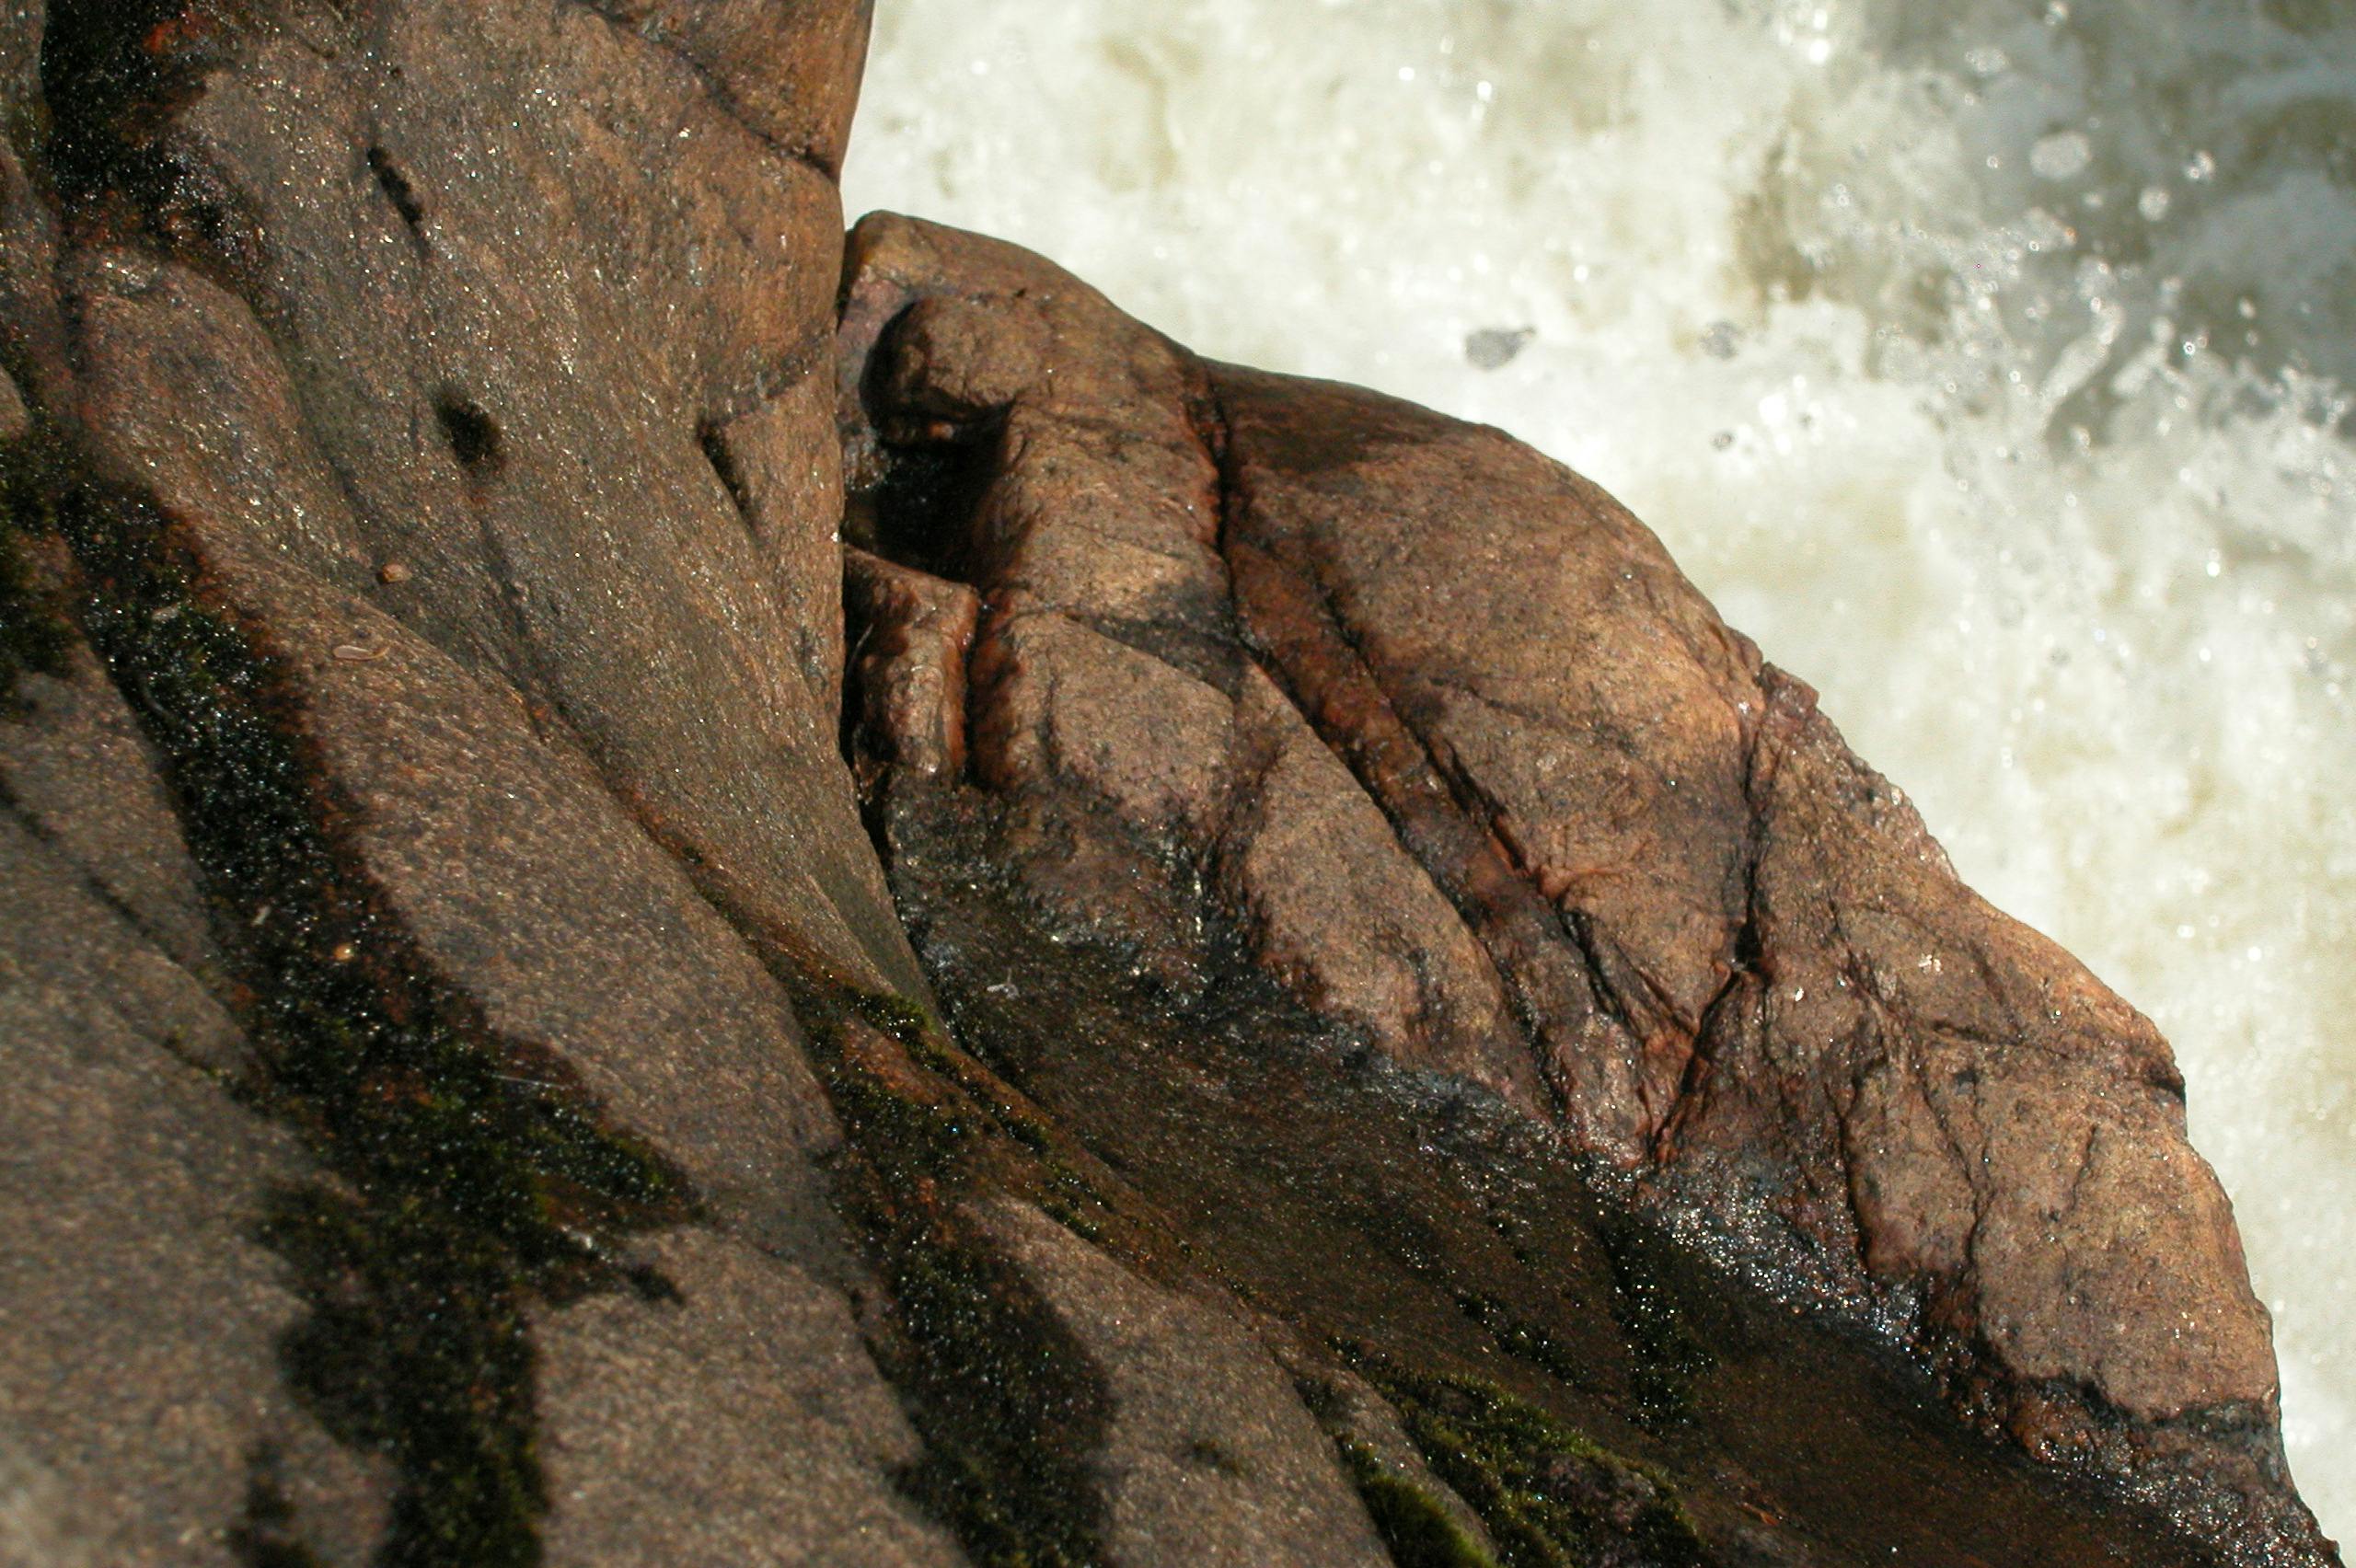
(1433, 733)
(673, 891)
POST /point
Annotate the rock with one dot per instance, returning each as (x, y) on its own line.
(1511, 803)
(462, 372)
(1211, 1458)
(683, 1408)
(1373, 1437)
(79, 774)
(675, 890)
(789, 68)
(914, 633)
(420, 881)
(139, 1389)
(1105, 683)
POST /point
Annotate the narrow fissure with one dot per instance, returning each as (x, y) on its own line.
(1010, 1408)
(34, 637)
(401, 194)
(714, 448)
(1549, 1496)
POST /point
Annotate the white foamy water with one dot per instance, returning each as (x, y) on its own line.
(1983, 361)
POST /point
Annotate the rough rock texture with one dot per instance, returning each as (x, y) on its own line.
(1440, 732)
(451, 491)
(1210, 1458)
(658, 905)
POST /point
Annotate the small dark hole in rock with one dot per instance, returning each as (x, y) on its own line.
(474, 435)
(924, 508)
(397, 189)
(731, 478)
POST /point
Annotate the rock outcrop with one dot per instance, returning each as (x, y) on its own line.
(1416, 1046)
(1439, 733)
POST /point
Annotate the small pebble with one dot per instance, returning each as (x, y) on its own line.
(394, 571)
(353, 654)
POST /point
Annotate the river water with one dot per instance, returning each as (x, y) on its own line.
(1986, 361)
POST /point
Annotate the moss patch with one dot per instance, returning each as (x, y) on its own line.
(467, 1181)
(1550, 1496)
(1010, 1407)
(1417, 1530)
(1665, 1354)
(1066, 1194)
(1524, 1340)
(33, 630)
(265, 1536)
(115, 74)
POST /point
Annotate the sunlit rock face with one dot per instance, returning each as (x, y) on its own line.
(1270, 679)
(1985, 365)
(673, 889)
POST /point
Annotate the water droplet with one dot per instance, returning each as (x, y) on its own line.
(2061, 154)
(1492, 348)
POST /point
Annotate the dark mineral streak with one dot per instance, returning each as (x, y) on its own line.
(673, 893)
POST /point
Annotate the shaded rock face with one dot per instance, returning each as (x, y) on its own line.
(1404, 1001)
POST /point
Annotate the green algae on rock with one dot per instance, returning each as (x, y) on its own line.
(1005, 1402)
(463, 1181)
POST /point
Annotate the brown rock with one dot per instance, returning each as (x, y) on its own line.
(1211, 1458)
(783, 467)
(1348, 920)
(140, 1398)
(746, 1404)
(506, 338)
(1644, 873)
(75, 769)
(789, 68)
(475, 1097)
(908, 658)
(491, 454)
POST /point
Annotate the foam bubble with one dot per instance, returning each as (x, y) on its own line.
(1984, 363)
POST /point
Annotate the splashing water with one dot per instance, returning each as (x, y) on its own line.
(1985, 362)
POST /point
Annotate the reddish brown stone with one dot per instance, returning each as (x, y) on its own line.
(1644, 872)
(909, 666)
(1348, 820)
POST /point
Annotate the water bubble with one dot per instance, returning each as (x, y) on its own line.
(2061, 154)
(2153, 203)
(2199, 167)
(1988, 61)
(1494, 348)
